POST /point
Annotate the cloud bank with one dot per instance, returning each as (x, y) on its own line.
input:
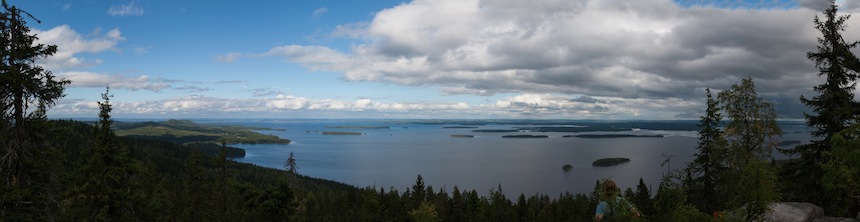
(649, 50)
(288, 106)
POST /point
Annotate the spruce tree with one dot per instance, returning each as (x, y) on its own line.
(707, 166)
(834, 108)
(28, 161)
(22, 83)
(107, 187)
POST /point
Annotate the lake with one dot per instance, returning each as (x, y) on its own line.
(392, 157)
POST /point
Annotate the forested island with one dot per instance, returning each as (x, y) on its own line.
(525, 136)
(610, 161)
(496, 131)
(594, 136)
(359, 127)
(339, 133)
(204, 137)
(462, 136)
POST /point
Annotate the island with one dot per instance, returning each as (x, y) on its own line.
(462, 136)
(207, 138)
(596, 136)
(567, 167)
(337, 133)
(788, 142)
(496, 131)
(459, 127)
(525, 136)
(359, 127)
(610, 161)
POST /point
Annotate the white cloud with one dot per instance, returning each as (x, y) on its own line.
(229, 57)
(92, 79)
(519, 106)
(651, 49)
(129, 9)
(70, 43)
(319, 12)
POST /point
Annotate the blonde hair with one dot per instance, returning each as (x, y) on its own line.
(610, 188)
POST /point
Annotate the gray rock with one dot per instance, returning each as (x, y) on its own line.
(794, 212)
(834, 219)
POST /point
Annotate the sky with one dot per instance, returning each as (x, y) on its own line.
(428, 59)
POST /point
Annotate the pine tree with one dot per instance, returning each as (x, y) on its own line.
(707, 166)
(834, 107)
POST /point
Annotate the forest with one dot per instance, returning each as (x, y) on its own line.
(66, 170)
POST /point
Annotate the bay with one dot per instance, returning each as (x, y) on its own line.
(391, 153)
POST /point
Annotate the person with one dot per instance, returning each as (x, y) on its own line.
(612, 205)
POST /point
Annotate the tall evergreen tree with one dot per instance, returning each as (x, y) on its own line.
(28, 161)
(107, 188)
(22, 83)
(707, 166)
(834, 107)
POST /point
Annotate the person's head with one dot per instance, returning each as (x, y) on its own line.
(610, 188)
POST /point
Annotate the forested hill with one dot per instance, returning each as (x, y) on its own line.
(166, 181)
(204, 137)
(152, 180)
(186, 132)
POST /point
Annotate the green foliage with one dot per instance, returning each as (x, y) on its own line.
(106, 187)
(834, 110)
(426, 212)
(27, 158)
(841, 177)
(751, 136)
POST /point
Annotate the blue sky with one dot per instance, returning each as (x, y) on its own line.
(647, 59)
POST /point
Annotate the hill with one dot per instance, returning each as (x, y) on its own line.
(204, 137)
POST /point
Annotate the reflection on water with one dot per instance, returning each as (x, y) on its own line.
(394, 157)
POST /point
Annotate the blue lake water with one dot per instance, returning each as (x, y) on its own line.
(393, 157)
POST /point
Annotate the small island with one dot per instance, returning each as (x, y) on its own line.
(496, 131)
(788, 142)
(359, 127)
(567, 167)
(597, 136)
(462, 136)
(336, 133)
(525, 136)
(459, 127)
(610, 161)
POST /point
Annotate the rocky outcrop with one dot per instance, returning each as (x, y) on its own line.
(800, 212)
(794, 212)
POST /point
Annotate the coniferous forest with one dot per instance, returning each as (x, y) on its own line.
(66, 170)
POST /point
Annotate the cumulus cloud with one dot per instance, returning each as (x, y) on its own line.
(70, 43)
(650, 49)
(278, 104)
(92, 79)
(129, 9)
(518, 106)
